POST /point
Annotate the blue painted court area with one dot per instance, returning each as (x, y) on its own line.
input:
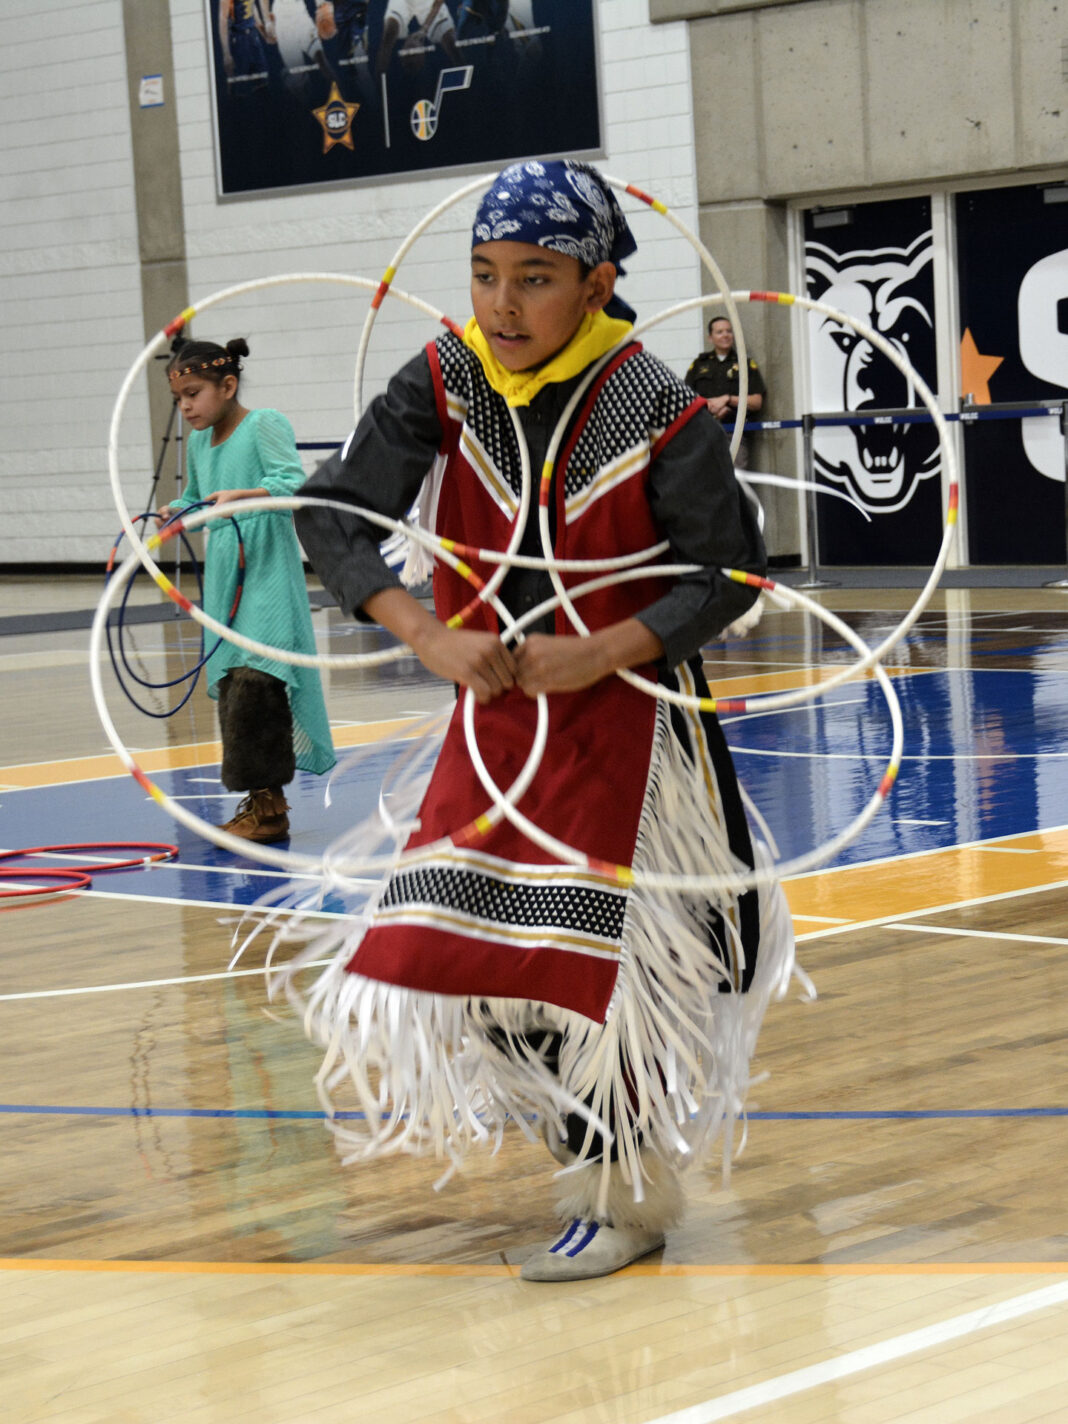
(116, 808)
(986, 755)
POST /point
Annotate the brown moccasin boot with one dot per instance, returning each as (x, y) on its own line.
(261, 816)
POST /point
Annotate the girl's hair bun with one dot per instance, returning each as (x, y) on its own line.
(238, 347)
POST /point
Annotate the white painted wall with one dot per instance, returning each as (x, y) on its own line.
(70, 278)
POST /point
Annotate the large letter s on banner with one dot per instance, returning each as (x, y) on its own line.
(1044, 351)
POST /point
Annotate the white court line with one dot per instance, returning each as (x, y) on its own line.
(977, 934)
(1007, 850)
(920, 756)
(184, 902)
(145, 983)
(868, 1358)
(966, 671)
(189, 868)
(885, 920)
(238, 973)
(909, 856)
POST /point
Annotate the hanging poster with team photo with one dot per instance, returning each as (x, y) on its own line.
(873, 261)
(308, 93)
(1012, 248)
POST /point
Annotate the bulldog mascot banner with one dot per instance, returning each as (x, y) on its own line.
(874, 262)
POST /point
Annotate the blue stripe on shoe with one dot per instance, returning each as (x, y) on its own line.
(568, 1234)
(591, 1232)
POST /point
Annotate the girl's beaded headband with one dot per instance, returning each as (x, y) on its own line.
(195, 366)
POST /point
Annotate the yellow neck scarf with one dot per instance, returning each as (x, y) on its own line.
(596, 334)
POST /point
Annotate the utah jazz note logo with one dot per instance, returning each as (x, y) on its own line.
(426, 112)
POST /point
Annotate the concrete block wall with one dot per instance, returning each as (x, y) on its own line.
(71, 278)
(75, 283)
(791, 103)
(797, 99)
(805, 102)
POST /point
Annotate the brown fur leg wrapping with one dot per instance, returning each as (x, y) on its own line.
(257, 731)
(661, 1206)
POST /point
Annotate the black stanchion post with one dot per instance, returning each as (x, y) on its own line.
(174, 422)
(179, 481)
(808, 425)
(1063, 582)
(153, 493)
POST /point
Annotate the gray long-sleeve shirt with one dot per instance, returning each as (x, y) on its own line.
(695, 500)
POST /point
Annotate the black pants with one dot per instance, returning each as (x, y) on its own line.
(257, 731)
(545, 1044)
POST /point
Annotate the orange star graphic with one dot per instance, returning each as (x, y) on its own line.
(976, 370)
(336, 117)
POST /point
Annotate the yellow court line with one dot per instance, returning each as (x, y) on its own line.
(504, 1271)
(931, 880)
(28, 775)
(55, 773)
(790, 679)
(786, 680)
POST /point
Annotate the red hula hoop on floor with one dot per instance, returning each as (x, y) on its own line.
(76, 877)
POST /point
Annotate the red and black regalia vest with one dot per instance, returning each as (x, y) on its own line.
(439, 991)
(486, 918)
(631, 410)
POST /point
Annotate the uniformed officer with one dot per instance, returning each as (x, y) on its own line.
(714, 375)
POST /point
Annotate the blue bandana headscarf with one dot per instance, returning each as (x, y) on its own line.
(562, 205)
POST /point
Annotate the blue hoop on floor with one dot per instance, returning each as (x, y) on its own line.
(119, 624)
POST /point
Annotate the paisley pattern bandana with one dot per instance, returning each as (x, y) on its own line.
(559, 204)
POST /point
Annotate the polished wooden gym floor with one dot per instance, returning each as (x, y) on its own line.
(180, 1242)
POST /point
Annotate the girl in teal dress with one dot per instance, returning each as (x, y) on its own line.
(272, 716)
